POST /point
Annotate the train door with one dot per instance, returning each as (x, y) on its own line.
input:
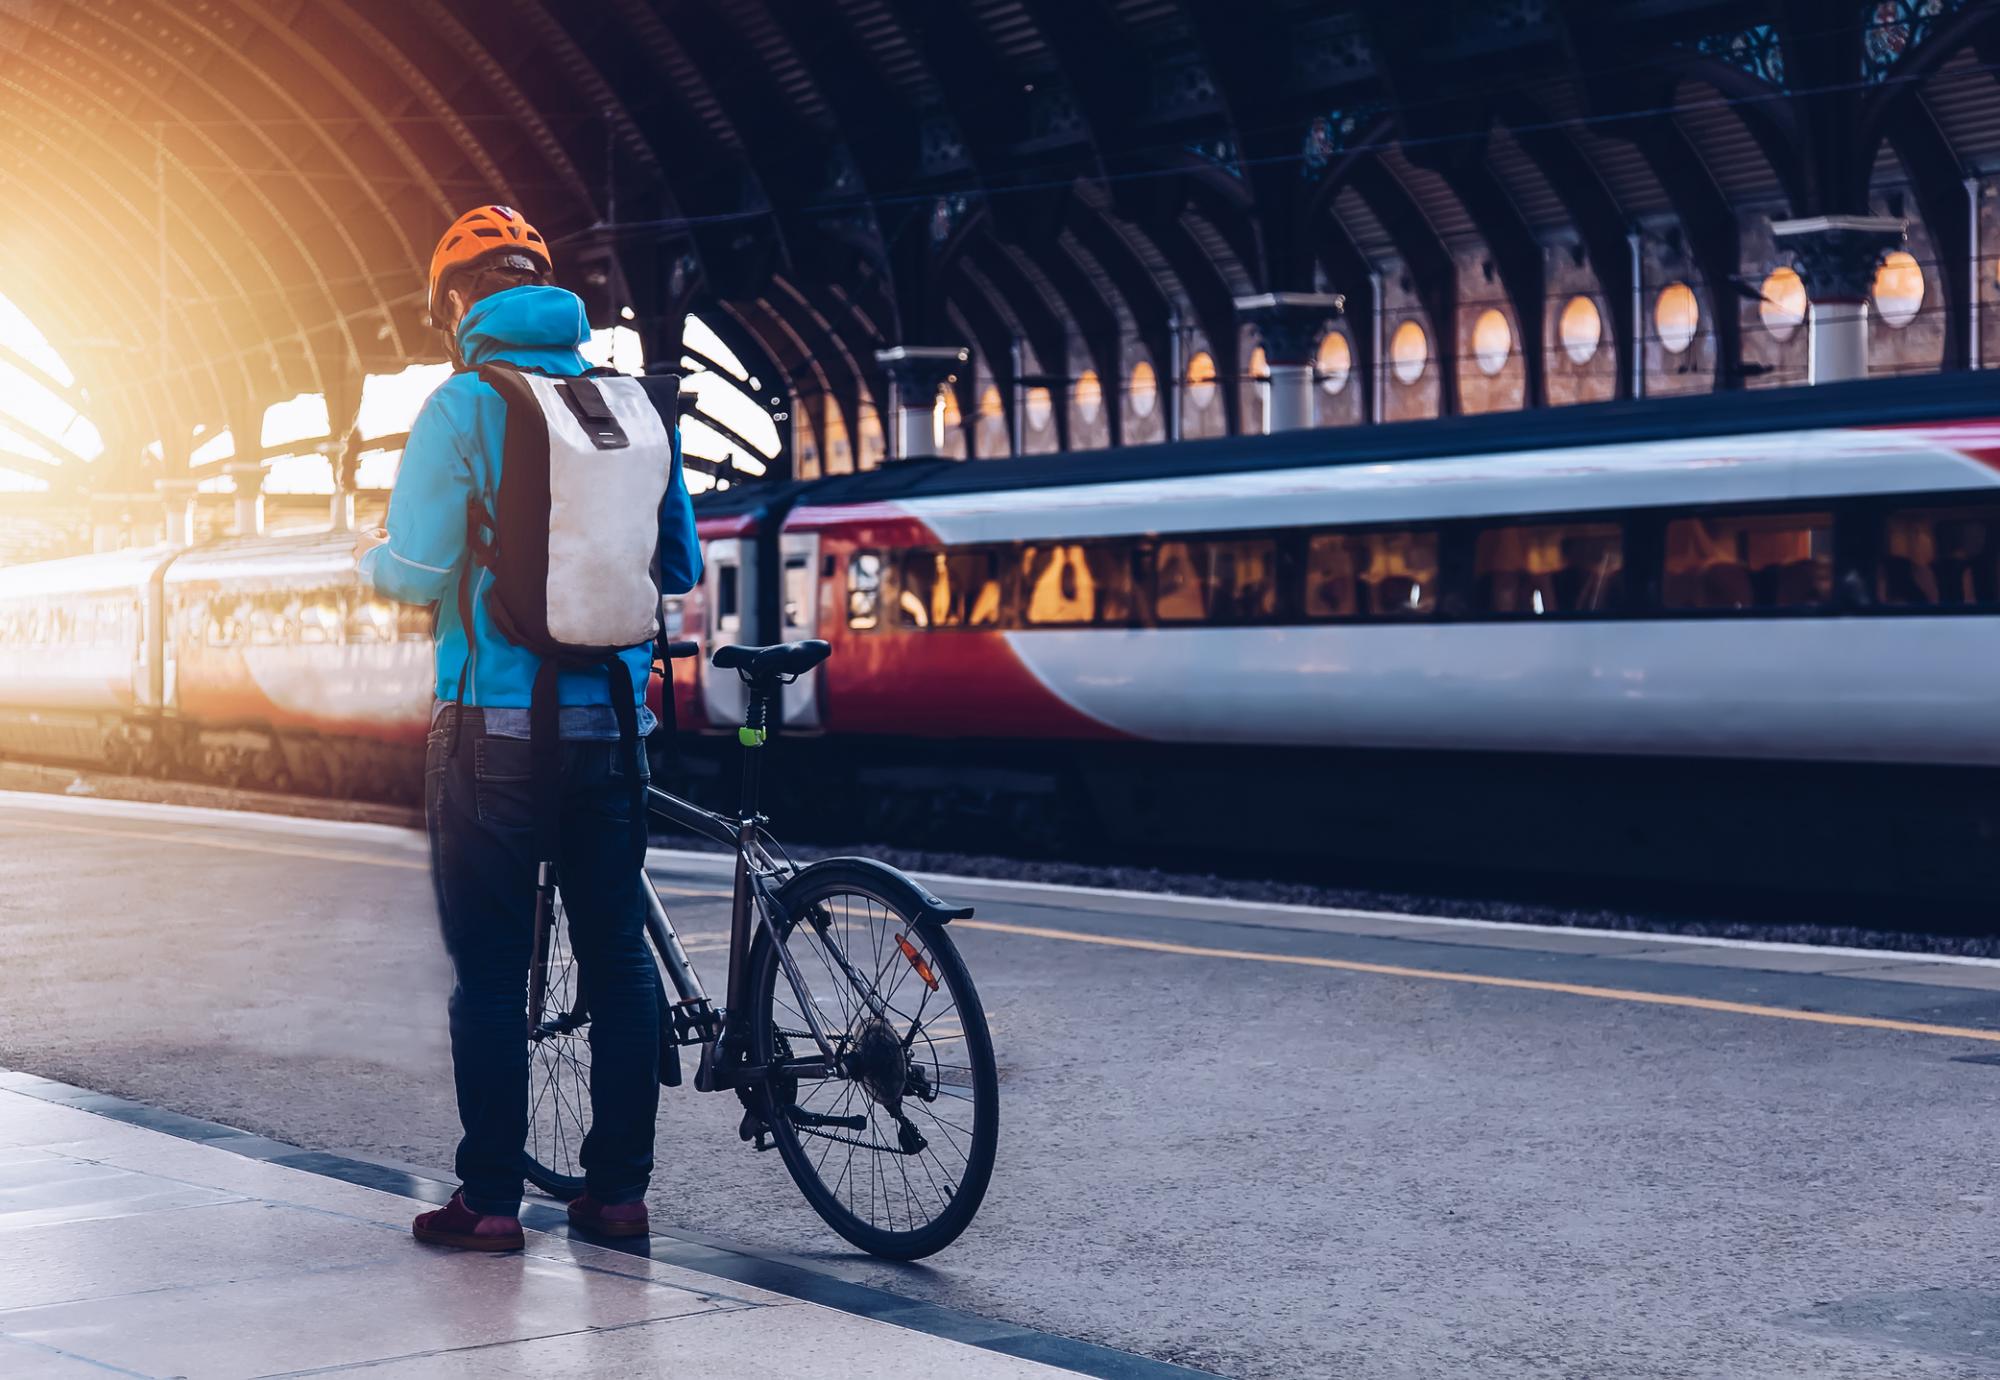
(153, 678)
(729, 589)
(801, 620)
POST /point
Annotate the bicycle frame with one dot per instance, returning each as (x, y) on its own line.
(692, 1016)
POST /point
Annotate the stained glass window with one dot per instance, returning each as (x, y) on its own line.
(1894, 27)
(1755, 50)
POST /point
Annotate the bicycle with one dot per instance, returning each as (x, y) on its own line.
(912, 1084)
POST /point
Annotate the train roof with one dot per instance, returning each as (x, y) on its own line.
(316, 558)
(1868, 403)
(125, 570)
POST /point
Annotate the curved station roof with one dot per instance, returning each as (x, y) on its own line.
(218, 205)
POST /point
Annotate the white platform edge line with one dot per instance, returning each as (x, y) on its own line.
(721, 863)
(252, 820)
(407, 838)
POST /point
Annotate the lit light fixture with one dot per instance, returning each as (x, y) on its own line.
(1201, 379)
(1089, 396)
(1899, 288)
(1409, 352)
(1783, 307)
(1581, 329)
(1334, 362)
(1041, 407)
(1144, 389)
(1676, 314)
(1492, 341)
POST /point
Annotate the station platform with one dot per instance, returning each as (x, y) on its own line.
(1251, 1140)
(134, 1252)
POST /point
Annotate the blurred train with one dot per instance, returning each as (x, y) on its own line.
(1749, 637)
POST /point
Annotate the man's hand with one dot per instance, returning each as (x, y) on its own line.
(367, 539)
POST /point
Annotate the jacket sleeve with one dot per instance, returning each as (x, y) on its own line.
(419, 563)
(680, 552)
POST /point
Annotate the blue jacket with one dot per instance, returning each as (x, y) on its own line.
(454, 451)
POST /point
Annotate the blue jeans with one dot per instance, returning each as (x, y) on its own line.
(479, 807)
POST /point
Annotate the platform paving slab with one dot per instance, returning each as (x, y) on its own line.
(127, 1251)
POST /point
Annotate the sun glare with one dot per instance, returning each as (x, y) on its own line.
(40, 426)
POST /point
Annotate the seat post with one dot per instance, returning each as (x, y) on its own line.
(753, 736)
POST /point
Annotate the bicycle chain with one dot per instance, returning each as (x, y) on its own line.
(840, 1139)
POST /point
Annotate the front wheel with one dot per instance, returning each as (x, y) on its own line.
(893, 1145)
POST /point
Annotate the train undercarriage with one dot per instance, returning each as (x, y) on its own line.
(1874, 837)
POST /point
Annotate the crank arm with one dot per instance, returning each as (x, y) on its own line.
(809, 1070)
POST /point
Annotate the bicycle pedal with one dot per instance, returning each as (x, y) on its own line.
(752, 1128)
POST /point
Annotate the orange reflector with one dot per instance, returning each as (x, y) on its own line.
(917, 962)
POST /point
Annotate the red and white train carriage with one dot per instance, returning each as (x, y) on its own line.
(1737, 634)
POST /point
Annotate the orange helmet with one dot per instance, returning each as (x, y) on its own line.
(481, 232)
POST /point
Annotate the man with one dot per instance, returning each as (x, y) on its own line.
(491, 296)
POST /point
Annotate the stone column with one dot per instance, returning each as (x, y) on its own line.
(346, 461)
(1838, 257)
(177, 496)
(1290, 324)
(916, 372)
(249, 479)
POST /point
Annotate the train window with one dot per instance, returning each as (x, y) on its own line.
(1941, 558)
(1242, 581)
(416, 622)
(976, 582)
(798, 591)
(1331, 591)
(1216, 581)
(925, 588)
(1555, 568)
(370, 620)
(1076, 584)
(864, 589)
(1178, 571)
(317, 621)
(728, 614)
(1749, 561)
(1397, 573)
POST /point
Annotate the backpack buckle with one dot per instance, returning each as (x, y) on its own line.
(586, 403)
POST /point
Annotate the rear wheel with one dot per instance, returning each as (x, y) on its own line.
(893, 1146)
(558, 1072)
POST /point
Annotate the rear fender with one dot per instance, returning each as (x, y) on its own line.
(909, 896)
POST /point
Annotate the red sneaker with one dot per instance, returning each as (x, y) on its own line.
(588, 1215)
(455, 1224)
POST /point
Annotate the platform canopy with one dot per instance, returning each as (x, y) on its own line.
(216, 205)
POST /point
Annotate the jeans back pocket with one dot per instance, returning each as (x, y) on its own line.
(503, 772)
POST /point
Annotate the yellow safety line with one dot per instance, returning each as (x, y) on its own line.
(1573, 989)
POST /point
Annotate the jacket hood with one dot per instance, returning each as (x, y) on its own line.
(522, 319)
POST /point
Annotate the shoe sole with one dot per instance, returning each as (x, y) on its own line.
(467, 1242)
(611, 1228)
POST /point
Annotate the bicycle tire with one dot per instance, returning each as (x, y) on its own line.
(548, 1160)
(814, 885)
(549, 1165)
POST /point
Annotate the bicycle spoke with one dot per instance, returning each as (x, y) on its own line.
(901, 1042)
(559, 1061)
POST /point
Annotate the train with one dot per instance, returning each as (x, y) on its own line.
(1752, 637)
